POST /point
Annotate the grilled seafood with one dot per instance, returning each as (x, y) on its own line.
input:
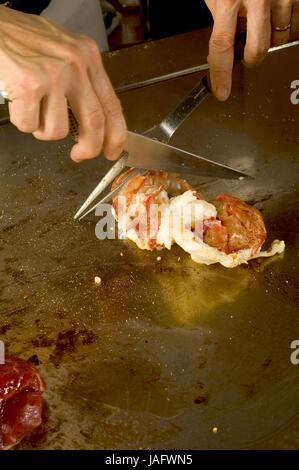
(140, 204)
(238, 226)
(157, 209)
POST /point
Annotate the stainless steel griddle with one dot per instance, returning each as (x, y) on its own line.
(162, 353)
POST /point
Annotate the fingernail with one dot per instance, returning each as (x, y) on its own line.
(222, 93)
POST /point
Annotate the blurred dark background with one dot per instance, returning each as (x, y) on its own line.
(156, 19)
(163, 18)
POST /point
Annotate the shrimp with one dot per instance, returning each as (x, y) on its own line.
(141, 195)
(171, 183)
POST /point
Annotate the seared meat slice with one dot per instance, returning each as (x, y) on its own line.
(21, 401)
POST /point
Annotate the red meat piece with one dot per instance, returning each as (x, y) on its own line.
(21, 401)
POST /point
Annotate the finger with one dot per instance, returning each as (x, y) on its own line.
(258, 31)
(221, 51)
(54, 124)
(115, 128)
(91, 123)
(115, 124)
(281, 18)
(25, 114)
(295, 21)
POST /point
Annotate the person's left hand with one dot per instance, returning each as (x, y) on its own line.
(281, 21)
(260, 14)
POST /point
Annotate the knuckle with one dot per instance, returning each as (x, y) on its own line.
(29, 85)
(115, 141)
(264, 10)
(71, 54)
(91, 46)
(113, 107)
(221, 43)
(257, 53)
(96, 119)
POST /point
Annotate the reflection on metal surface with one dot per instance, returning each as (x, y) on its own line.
(162, 78)
(132, 363)
(205, 288)
(185, 72)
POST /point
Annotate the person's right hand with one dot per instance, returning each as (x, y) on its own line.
(44, 68)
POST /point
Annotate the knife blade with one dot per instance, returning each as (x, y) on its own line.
(147, 153)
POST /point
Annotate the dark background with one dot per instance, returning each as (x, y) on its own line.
(28, 6)
(169, 17)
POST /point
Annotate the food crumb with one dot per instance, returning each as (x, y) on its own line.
(97, 280)
(215, 430)
(159, 258)
(121, 254)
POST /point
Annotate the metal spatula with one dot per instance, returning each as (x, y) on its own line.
(152, 151)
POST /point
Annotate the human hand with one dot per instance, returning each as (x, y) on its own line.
(43, 69)
(258, 14)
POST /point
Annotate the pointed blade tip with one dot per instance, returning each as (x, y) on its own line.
(77, 215)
